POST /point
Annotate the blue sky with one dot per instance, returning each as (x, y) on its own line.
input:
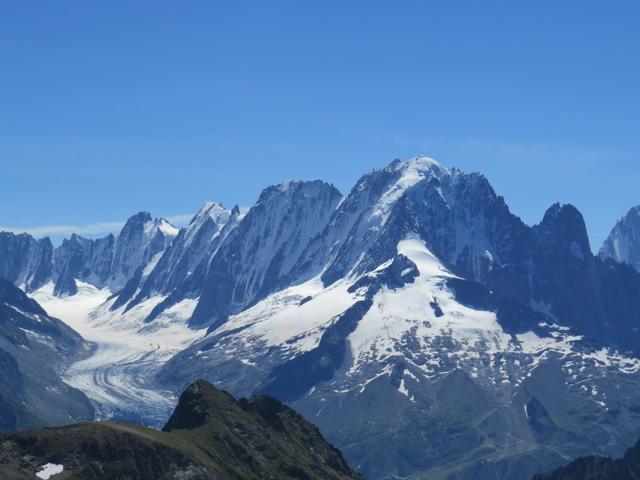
(108, 108)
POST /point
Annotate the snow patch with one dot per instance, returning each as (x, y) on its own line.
(166, 228)
(49, 470)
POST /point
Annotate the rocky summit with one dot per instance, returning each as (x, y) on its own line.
(209, 436)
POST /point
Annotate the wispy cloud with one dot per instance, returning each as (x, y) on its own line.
(90, 229)
(44, 230)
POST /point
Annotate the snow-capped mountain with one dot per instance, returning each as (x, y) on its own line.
(195, 244)
(623, 243)
(420, 288)
(179, 273)
(140, 244)
(25, 261)
(108, 262)
(458, 214)
(420, 324)
(259, 255)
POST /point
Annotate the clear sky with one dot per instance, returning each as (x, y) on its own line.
(108, 108)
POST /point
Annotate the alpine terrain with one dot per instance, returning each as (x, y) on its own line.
(600, 468)
(422, 326)
(210, 436)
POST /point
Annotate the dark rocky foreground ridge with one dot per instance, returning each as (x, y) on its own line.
(600, 468)
(209, 436)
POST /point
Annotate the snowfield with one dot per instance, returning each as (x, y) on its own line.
(458, 337)
(294, 318)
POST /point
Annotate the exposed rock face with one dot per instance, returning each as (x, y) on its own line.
(210, 436)
(109, 262)
(259, 255)
(82, 259)
(194, 246)
(25, 261)
(34, 349)
(623, 243)
(180, 272)
(600, 468)
(141, 239)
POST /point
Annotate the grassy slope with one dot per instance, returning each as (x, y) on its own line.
(210, 435)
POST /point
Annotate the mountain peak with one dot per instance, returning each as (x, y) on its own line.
(213, 210)
(418, 163)
(293, 187)
(288, 184)
(564, 222)
(623, 243)
(404, 176)
(196, 404)
(559, 213)
(142, 223)
(140, 217)
(634, 212)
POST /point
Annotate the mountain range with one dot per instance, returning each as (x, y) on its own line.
(425, 328)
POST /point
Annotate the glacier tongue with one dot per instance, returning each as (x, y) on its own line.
(118, 375)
